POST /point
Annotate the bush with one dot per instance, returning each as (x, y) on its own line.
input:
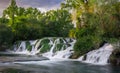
(6, 37)
(86, 44)
(83, 45)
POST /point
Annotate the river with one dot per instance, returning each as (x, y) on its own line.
(55, 66)
(54, 59)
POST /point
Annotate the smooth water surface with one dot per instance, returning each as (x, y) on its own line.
(48, 66)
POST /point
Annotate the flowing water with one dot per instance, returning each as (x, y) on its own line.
(48, 47)
(51, 55)
(61, 48)
(99, 56)
(56, 67)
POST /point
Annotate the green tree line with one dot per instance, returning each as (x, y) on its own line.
(18, 23)
(97, 21)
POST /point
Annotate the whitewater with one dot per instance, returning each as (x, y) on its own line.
(61, 49)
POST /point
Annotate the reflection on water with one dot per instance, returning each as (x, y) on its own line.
(56, 67)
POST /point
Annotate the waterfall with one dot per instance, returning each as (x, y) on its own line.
(61, 48)
(21, 49)
(34, 50)
(64, 52)
(98, 56)
(51, 47)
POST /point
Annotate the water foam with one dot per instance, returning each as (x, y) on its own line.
(99, 56)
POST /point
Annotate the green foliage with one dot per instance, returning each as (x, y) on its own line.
(97, 21)
(45, 41)
(30, 23)
(89, 35)
(3, 21)
(27, 30)
(45, 45)
(45, 48)
(61, 40)
(58, 22)
(58, 47)
(72, 33)
(24, 22)
(86, 44)
(28, 46)
(6, 36)
(11, 11)
(112, 40)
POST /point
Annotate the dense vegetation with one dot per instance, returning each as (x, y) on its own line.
(30, 23)
(95, 21)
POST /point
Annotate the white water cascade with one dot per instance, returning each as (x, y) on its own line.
(61, 48)
(65, 52)
(99, 56)
(21, 49)
(48, 47)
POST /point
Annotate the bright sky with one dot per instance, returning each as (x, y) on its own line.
(40, 4)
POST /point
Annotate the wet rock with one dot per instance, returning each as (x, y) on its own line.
(68, 45)
(75, 55)
(85, 57)
(115, 57)
(102, 43)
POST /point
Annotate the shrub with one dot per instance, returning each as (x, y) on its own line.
(6, 37)
(86, 44)
(83, 45)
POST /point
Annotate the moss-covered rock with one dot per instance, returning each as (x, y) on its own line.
(115, 57)
(59, 47)
(28, 46)
(45, 41)
(45, 48)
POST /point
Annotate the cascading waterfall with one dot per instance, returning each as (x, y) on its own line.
(99, 56)
(48, 47)
(65, 52)
(61, 48)
(21, 49)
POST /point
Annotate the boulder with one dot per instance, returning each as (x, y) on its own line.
(115, 57)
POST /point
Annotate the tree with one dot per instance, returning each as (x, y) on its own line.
(57, 23)
(11, 12)
(27, 29)
(97, 21)
(6, 37)
(78, 8)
